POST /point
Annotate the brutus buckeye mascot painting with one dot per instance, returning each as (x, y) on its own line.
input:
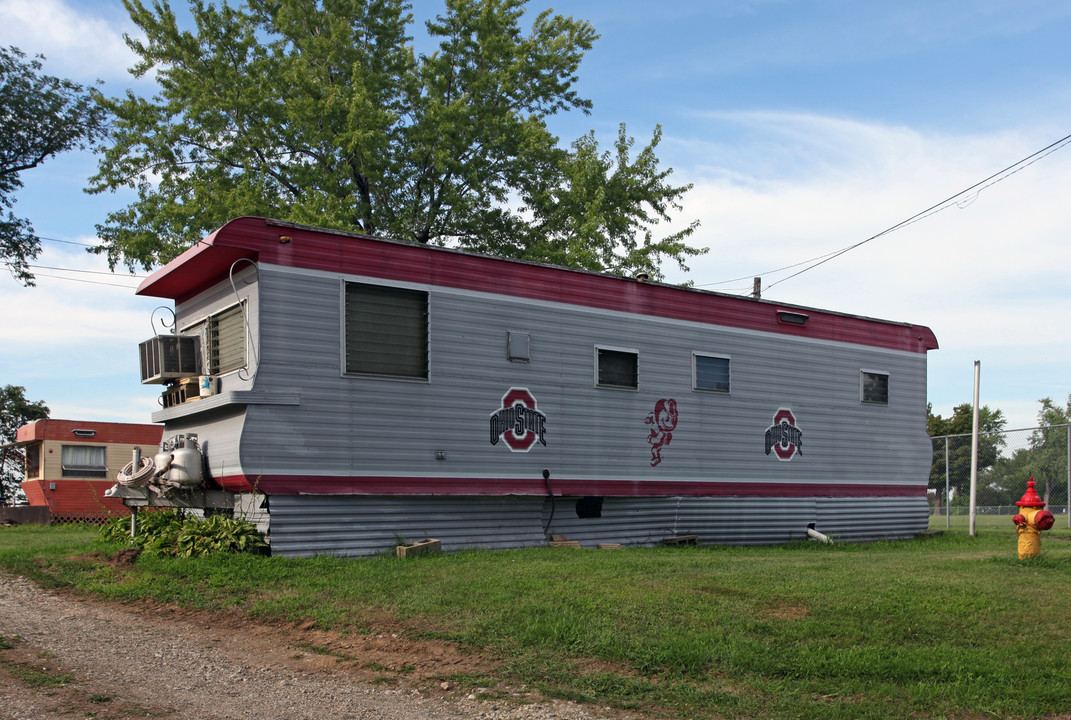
(662, 421)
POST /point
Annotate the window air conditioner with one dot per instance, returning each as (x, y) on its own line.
(167, 357)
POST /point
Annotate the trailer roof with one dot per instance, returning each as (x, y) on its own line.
(291, 245)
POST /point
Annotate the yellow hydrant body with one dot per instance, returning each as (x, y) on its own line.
(1030, 521)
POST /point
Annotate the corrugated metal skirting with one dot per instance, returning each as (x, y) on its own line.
(306, 525)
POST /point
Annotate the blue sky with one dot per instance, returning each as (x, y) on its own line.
(805, 128)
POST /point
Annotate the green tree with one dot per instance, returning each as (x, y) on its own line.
(324, 113)
(958, 428)
(1045, 458)
(40, 116)
(15, 411)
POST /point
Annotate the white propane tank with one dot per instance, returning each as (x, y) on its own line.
(185, 467)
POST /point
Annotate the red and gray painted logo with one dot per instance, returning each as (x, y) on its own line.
(663, 421)
(518, 423)
(784, 438)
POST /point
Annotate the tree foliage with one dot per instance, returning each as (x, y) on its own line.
(325, 113)
(960, 426)
(1044, 459)
(15, 411)
(40, 116)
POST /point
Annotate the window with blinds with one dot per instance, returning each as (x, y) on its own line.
(710, 372)
(616, 368)
(386, 331)
(225, 340)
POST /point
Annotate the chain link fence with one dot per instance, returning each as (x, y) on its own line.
(1006, 461)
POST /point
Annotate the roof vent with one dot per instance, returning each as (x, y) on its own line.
(84, 433)
(791, 318)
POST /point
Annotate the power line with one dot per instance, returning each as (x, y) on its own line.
(974, 191)
(66, 242)
(91, 282)
(91, 272)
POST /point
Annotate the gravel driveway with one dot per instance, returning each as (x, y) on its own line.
(64, 657)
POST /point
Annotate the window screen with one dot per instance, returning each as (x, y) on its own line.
(84, 461)
(386, 331)
(874, 388)
(711, 373)
(226, 341)
(616, 368)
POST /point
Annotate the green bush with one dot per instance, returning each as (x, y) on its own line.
(174, 534)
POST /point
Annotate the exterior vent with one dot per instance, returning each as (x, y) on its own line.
(167, 357)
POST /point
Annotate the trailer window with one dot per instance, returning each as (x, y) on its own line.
(386, 331)
(710, 372)
(616, 368)
(874, 387)
(84, 461)
(223, 337)
(33, 460)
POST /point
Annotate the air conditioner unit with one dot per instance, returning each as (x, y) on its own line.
(167, 357)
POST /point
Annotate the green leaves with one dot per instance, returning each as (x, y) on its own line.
(171, 534)
(41, 116)
(326, 115)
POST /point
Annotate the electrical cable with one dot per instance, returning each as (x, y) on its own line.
(91, 282)
(975, 190)
(90, 272)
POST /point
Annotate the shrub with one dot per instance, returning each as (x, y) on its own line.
(173, 534)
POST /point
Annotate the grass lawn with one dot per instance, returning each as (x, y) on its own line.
(939, 627)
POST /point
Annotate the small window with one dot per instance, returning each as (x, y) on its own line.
(33, 461)
(386, 331)
(226, 341)
(874, 387)
(223, 340)
(710, 372)
(84, 461)
(616, 368)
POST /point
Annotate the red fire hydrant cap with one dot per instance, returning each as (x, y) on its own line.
(1030, 497)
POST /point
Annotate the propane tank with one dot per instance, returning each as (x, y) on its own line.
(185, 462)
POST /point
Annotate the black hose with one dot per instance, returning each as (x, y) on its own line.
(550, 492)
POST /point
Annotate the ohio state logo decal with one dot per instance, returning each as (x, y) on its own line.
(518, 422)
(784, 438)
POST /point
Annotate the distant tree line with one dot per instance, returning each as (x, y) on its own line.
(1003, 471)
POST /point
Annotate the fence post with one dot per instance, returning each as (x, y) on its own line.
(974, 451)
(948, 508)
(1067, 507)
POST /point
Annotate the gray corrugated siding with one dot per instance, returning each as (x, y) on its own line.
(305, 525)
(357, 426)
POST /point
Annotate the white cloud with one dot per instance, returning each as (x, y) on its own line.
(78, 44)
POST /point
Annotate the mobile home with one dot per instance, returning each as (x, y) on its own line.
(370, 389)
(68, 464)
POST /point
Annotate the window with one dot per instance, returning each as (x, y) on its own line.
(386, 331)
(226, 341)
(84, 461)
(223, 340)
(874, 387)
(33, 460)
(710, 372)
(616, 368)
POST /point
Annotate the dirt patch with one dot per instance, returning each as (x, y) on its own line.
(64, 656)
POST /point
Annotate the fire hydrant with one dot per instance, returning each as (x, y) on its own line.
(1031, 520)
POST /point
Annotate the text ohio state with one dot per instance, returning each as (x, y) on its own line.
(519, 420)
(784, 435)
